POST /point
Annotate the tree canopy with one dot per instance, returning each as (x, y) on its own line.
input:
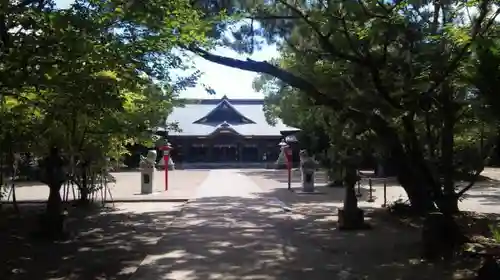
(97, 71)
(410, 80)
(89, 80)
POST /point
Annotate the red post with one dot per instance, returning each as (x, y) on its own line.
(288, 155)
(166, 157)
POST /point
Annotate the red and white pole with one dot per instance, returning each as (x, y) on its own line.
(166, 157)
(288, 155)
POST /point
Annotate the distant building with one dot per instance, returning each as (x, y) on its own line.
(225, 131)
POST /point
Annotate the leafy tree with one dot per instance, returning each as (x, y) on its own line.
(392, 69)
(88, 80)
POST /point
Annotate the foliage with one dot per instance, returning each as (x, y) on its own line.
(405, 79)
(92, 78)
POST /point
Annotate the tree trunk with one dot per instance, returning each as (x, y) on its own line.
(14, 198)
(410, 175)
(54, 203)
(84, 188)
(448, 203)
(350, 201)
(52, 223)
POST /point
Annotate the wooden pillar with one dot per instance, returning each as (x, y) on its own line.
(239, 146)
(263, 149)
(189, 147)
(210, 151)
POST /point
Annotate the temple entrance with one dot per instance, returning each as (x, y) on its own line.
(199, 153)
(225, 153)
(250, 153)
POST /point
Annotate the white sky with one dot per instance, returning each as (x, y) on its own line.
(224, 80)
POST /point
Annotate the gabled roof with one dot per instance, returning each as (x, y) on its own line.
(252, 109)
(224, 105)
(224, 128)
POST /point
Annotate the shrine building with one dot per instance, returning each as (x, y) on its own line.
(225, 131)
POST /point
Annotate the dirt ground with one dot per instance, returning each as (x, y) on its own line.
(104, 244)
(316, 216)
(110, 243)
(484, 197)
(127, 186)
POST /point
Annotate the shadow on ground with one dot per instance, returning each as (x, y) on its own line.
(281, 175)
(105, 244)
(273, 184)
(486, 190)
(217, 238)
(485, 195)
(243, 238)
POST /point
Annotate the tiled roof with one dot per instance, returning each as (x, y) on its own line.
(226, 106)
(194, 109)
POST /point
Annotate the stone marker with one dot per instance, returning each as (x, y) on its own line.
(147, 166)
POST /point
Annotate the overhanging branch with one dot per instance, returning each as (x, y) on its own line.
(267, 68)
(374, 119)
(377, 121)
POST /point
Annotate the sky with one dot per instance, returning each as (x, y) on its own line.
(233, 83)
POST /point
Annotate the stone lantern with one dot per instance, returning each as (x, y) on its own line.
(165, 147)
(351, 217)
(307, 170)
(281, 161)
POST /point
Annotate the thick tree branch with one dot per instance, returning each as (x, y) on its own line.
(379, 124)
(267, 68)
(270, 17)
(345, 31)
(491, 143)
(374, 69)
(472, 182)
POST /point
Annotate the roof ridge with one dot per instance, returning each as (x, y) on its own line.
(218, 107)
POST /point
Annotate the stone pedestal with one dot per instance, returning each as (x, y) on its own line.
(307, 169)
(307, 180)
(351, 217)
(147, 166)
(147, 180)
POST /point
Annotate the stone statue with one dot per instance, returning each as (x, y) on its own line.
(148, 161)
(307, 169)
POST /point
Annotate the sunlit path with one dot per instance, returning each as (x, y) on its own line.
(225, 233)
